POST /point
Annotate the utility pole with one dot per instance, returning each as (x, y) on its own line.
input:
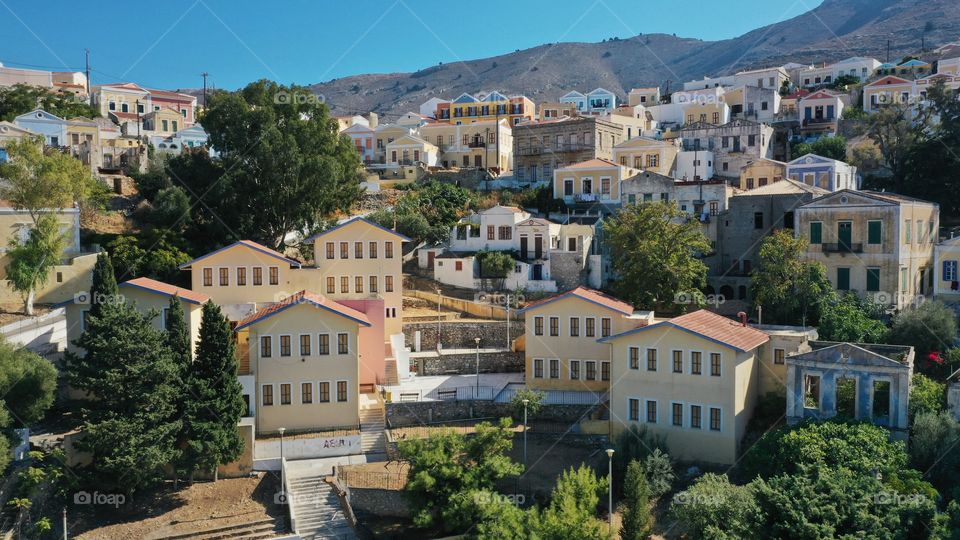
(89, 95)
(138, 119)
(205, 75)
(888, 51)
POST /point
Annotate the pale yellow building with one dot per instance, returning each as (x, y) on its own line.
(762, 172)
(595, 180)
(648, 154)
(644, 96)
(303, 355)
(484, 144)
(562, 351)
(692, 380)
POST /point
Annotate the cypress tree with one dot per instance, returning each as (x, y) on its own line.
(214, 397)
(103, 289)
(636, 510)
(178, 341)
(129, 373)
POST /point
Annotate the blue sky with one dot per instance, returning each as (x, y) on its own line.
(168, 44)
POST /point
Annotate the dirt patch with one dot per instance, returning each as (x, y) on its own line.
(14, 312)
(166, 511)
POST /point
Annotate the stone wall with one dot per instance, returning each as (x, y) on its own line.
(423, 412)
(460, 335)
(466, 363)
(378, 502)
(567, 269)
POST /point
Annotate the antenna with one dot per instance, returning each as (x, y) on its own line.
(204, 75)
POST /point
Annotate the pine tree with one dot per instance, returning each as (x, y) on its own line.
(103, 289)
(214, 397)
(636, 510)
(129, 373)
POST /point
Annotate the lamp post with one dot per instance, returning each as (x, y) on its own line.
(610, 477)
(281, 430)
(525, 403)
(477, 341)
(439, 297)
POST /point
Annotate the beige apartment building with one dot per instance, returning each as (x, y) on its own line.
(591, 181)
(562, 351)
(880, 245)
(643, 153)
(481, 144)
(762, 172)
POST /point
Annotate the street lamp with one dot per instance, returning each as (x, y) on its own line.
(477, 341)
(281, 430)
(525, 403)
(439, 297)
(610, 477)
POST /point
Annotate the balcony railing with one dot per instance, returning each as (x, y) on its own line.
(537, 150)
(476, 144)
(843, 247)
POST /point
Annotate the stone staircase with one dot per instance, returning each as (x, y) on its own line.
(253, 530)
(373, 438)
(316, 505)
(390, 366)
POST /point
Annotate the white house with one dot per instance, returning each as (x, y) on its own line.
(946, 280)
(52, 127)
(429, 107)
(856, 66)
(192, 137)
(820, 112)
(822, 172)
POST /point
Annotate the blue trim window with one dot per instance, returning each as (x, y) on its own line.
(949, 270)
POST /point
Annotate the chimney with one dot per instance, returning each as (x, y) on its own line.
(743, 318)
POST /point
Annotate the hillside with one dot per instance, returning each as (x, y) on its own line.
(836, 29)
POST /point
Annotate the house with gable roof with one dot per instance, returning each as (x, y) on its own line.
(820, 113)
(887, 90)
(823, 172)
(594, 181)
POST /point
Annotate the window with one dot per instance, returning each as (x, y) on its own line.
(323, 392)
(266, 395)
(949, 270)
(554, 326)
(285, 393)
(538, 368)
(695, 416)
(604, 371)
(373, 284)
(358, 250)
(388, 283)
(816, 232)
(714, 364)
(696, 367)
(591, 327)
(714, 419)
(224, 277)
(505, 232)
(908, 231)
(331, 285)
(778, 355)
(266, 346)
(358, 284)
(344, 284)
(538, 326)
(651, 359)
(605, 327)
(306, 393)
(873, 279)
(341, 391)
(574, 370)
(634, 358)
(591, 370)
(490, 232)
(342, 344)
(344, 250)
(651, 411)
(284, 345)
(678, 361)
(274, 275)
(874, 232)
(811, 392)
(677, 414)
(388, 250)
(208, 277)
(758, 220)
(304, 344)
(241, 276)
(843, 279)
(257, 275)
(323, 344)
(574, 326)
(554, 368)
(373, 250)
(633, 409)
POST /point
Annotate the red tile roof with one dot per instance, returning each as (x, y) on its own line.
(721, 329)
(166, 289)
(589, 295)
(300, 298)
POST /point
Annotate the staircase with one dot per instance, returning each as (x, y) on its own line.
(373, 438)
(253, 530)
(317, 508)
(390, 366)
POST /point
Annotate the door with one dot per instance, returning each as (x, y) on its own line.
(537, 272)
(844, 234)
(829, 112)
(431, 255)
(478, 161)
(538, 247)
(587, 186)
(523, 247)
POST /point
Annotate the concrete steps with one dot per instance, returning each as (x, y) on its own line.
(390, 367)
(317, 509)
(264, 528)
(373, 437)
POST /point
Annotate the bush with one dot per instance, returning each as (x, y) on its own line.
(931, 327)
(171, 209)
(714, 508)
(851, 319)
(633, 444)
(659, 469)
(495, 264)
(932, 436)
(926, 395)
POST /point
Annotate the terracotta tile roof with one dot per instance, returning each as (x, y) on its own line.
(592, 164)
(721, 329)
(590, 295)
(130, 115)
(168, 94)
(166, 289)
(302, 297)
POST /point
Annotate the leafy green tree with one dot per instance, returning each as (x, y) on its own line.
(788, 286)
(933, 448)
(214, 397)
(31, 261)
(841, 82)
(28, 383)
(171, 209)
(828, 147)
(930, 327)
(154, 179)
(848, 319)
(635, 511)
(23, 98)
(103, 286)
(635, 443)
(895, 132)
(490, 515)
(926, 395)
(282, 166)
(413, 225)
(656, 249)
(440, 202)
(933, 151)
(129, 373)
(534, 402)
(574, 503)
(659, 470)
(495, 264)
(448, 463)
(156, 254)
(714, 508)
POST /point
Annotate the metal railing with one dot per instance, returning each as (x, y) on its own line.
(842, 247)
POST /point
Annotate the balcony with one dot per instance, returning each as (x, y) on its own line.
(559, 149)
(476, 144)
(842, 247)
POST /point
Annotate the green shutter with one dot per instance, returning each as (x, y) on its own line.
(874, 233)
(873, 279)
(843, 279)
(816, 232)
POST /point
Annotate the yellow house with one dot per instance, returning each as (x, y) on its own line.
(562, 352)
(761, 172)
(595, 180)
(164, 121)
(647, 154)
(466, 109)
(692, 380)
(303, 354)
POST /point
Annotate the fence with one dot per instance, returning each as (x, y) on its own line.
(373, 479)
(503, 395)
